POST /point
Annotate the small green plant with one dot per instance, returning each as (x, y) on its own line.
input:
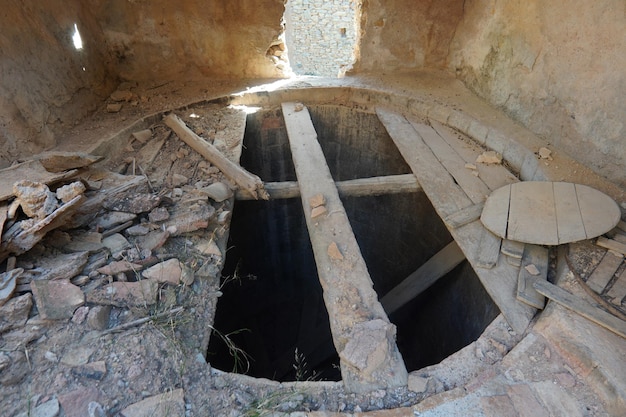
(273, 402)
(300, 367)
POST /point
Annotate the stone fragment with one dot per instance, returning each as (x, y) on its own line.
(317, 200)
(189, 217)
(143, 135)
(208, 248)
(489, 157)
(98, 317)
(84, 242)
(77, 356)
(69, 191)
(8, 281)
(56, 300)
(133, 203)
(76, 403)
(138, 230)
(532, 269)
(545, 153)
(113, 218)
(224, 217)
(15, 367)
(218, 192)
(334, 252)
(368, 345)
(165, 272)
(58, 161)
(125, 294)
(114, 107)
(117, 267)
(318, 211)
(116, 244)
(153, 240)
(178, 180)
(471, 166)
(61, 266)
(36, 199)
(51, 356)
(158, 214)
(92, 370)
(298, 107)
(15, 312)
(417, 383)
(163, 405)
(18, 338)
(80, 315)
(121, 95)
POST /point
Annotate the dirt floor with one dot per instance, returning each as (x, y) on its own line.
(137, 340)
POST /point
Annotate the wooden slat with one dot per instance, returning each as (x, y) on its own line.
(599, 212)
(581, 307)
(495, 215)
(618, 290)
(532, 216)
(611, 244)
(493, 175)
(473, 186)
(426, 275)
(344, 275)
(447, 197)
(537, 256)
(569, 220)
(391, 184)
(464, 216)
(488, 250)
(605, 270)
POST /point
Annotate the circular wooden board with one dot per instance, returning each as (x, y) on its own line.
(549, 213)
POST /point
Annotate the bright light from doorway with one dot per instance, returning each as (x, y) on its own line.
(78, 41)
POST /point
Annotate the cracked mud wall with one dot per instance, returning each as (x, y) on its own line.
(556, 67)
(42, 81)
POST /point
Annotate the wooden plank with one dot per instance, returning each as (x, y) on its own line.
(391, 184)
(464, 216)
(32, 171)
(426, 275)
(239, 175)
(603, 273)
(532, 216)
(611, 244)
(493, 175)
(599, 212)
(495, 215)
(447, 197)
(618, 289)
(341, 268)
(473, 186)
(513, 248)
(488, 250)
(570, 227)
(534, 257)
(581, 307)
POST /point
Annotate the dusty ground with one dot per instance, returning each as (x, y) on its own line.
(70, 361)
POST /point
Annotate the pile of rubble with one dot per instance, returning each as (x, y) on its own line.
(106, 246)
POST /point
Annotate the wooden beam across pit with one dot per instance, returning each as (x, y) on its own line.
(362, 187)
(362, 333)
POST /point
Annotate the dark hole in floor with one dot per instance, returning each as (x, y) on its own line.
(275, 303)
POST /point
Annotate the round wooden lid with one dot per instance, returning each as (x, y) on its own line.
(549, 213)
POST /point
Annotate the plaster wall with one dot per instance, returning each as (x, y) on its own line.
(556, 67)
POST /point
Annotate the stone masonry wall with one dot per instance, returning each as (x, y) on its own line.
(321, 36)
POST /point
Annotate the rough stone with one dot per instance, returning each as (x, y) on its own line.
(114, 107)
(77, 356)
(117, 267)
(15, 312)
(318, 211)
(116, 244)
(48, 409)
(209, 248)
(143, 135)
(113, 218)
(80, 315)
(169, 272)
(16, 370)
(187, 276)
(8, 281)
(98, 317)
(489, 157)
(125, 294)
(61, 266)
(121, 95)
(138, 230)
(367, 346)
(218, 191)
(158, 214)
(57, 300)
(317, 200)
(136, 203)
(162, 405)
(178, 180)
(69, 191)
(36, 199)
(334, 252)
(189, 217)
(93, 370)
(153, 240)
(76, 403)
(417, 383)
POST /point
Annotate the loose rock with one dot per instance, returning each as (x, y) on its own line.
(8, 281)
(169, 272)
(489, 157)
(162, 405)
(57, 300)
(125, 294)
(15, 312)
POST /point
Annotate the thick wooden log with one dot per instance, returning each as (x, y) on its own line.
(247, 181)
(362, 187)
(426, 275)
